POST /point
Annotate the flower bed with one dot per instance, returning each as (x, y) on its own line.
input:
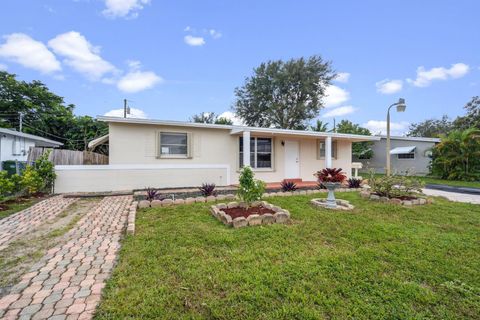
(237, 214)
(404, 201)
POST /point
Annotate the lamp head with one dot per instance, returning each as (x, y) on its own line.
(401, 106)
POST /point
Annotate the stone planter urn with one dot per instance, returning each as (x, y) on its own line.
(331, 186)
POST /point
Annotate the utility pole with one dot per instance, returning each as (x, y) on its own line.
(21, 121)
(124, 108)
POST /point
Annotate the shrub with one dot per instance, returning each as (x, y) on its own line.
(288, 186)
(395, 186)
(7, 186)
(354, 183)
(249, 189)
(208, 189)
(17, 182)
(153, 194)
(46, 171)
(330, 175)
(31, 181)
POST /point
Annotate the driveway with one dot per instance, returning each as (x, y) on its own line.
(454, 196)
(67, 282)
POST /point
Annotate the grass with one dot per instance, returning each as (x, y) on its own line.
(379, 261)
(14, 207)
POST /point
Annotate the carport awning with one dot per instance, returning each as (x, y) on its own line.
(401, 150)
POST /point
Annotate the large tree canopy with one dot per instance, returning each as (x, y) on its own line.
(361, 150)
(210, 117)
(443, 126)
(284, 94)
(44, 113)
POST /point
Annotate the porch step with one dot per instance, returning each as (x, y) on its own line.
(294, 180)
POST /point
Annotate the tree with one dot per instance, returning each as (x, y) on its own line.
(472, 118)
(320, 126)
(210, 117)
(45, 113)
(457, 156)
(284, 94)
(431, 128)
(361, 150)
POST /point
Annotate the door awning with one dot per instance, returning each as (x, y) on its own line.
(401, 150)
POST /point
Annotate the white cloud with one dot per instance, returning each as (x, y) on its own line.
(380, 127)
(24, 50)
(342, 77)
(124, 8)
(388, 86)
(134, 113)
(134, 64)
(335, 96)
(425, 77)
(232, 116)
(215, 33)
(3, 67)
(136, 81)
(194, 41)
(187, 28)
(340, 111)
(81, 55)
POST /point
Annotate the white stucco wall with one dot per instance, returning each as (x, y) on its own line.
(134, 163)
(14, 148)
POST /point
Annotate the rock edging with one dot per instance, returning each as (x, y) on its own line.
(408, 203)
(280, 215)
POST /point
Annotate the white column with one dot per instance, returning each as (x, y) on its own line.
(328, 152)
(246, 148)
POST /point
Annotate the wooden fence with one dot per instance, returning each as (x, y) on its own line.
(67, 157)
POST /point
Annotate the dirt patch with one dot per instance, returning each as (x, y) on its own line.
(243, 212)
(20, 255)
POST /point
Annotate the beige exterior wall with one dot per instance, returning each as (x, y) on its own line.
(134, 163)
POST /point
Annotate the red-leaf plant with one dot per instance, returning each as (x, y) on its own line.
(330, 175)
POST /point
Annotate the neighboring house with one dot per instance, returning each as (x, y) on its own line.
(14, 145)
(157, 153)
(408, 154)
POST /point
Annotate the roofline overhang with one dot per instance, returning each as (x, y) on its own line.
(235, 129)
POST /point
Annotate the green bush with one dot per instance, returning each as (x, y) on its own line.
(32, 182)
(6, 185)
(395, 186)
(46, 170)
(249, 189)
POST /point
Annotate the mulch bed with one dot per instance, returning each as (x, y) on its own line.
(243, 212)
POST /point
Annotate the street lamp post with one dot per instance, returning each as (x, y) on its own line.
(400, 108)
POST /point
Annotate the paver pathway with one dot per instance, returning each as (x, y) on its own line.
(67, 282)
(16, 225)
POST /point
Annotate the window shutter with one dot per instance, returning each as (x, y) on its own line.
(318, 150)
(190, 144)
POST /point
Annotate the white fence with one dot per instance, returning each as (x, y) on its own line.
(102, 178)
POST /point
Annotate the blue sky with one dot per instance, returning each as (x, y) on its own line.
(172, 59)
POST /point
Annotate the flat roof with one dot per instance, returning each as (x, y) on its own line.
(424, 139)
(236, 129)
(29, 136)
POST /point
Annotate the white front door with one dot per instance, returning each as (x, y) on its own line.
(292, 161)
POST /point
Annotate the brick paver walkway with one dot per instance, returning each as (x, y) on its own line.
(67, 282)
(20, 223)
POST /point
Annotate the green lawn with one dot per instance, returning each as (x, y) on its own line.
(379, 261)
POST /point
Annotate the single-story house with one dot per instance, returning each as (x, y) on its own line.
(161, 154)
(407, 154)
(14, 145)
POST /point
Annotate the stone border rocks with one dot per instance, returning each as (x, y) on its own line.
(223, 197)
(280, 215)
(341, 204)
(408, 203)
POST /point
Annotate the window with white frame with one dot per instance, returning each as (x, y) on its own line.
(321, 149)
(174, 144)
(410, 155)
(261, 153)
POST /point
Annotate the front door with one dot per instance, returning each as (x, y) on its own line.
(292, 163)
